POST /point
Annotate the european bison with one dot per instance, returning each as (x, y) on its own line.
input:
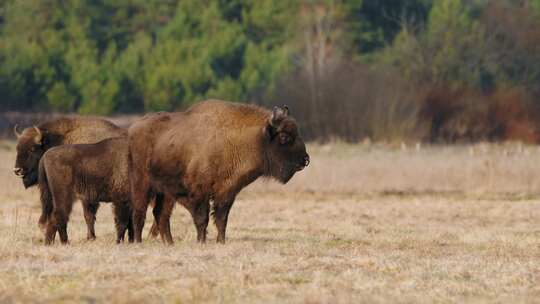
(92, 172)
(34, 141)
(210, 152)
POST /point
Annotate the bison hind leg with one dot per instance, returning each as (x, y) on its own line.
(156, 211)
(50, 232)
(122, 221)
(90, 209)
(164, 219)
(200, 212)
(57, 223)
(42, 223)
(154, 230)
(59, 219)
(131, 230)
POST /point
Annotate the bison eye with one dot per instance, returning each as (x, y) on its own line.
(285, 139)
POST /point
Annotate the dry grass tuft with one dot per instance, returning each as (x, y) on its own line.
(361, 224)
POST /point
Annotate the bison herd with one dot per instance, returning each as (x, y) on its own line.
(201, 158)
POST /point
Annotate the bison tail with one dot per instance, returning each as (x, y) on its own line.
(45, 196)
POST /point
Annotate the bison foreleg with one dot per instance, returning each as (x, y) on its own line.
(221, 215)
(200, 211)
(139, 216)
(122, 220)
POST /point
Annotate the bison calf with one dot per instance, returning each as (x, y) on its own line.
(91, 172)
(34, 141)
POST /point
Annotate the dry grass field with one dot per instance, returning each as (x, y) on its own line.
(363, 223)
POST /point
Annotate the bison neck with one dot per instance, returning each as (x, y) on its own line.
(241, 161)
(246, 170)
(55, 131)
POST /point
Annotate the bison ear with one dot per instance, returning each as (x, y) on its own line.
(278, 114)
(38, 139)
(286, 109)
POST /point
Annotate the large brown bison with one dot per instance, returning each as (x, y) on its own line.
(92, 172)
(36, 140)
(210, 152)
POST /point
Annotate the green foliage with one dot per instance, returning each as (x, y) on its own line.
(475, 44)
(60, 98)
(535, 6)
(374, 24)
(112, 56)
(124, 56)
(450, 36)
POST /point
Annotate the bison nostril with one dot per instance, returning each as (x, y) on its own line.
(306, 160)
(17, 171)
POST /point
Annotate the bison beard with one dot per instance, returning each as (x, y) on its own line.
(93, 172)
(210, 152)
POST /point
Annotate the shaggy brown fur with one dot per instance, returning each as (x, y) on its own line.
(92, 172)
(34, 141)
(209, 152)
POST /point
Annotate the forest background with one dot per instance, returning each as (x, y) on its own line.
(428, 70)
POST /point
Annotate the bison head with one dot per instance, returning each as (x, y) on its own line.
(286, 152)
(30, 148)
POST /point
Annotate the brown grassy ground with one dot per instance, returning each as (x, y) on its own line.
(361, 224)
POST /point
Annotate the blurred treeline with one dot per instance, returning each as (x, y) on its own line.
(384, 69)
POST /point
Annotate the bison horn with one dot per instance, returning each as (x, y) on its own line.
(39, 135)
(278, 114)
(285, 110)
(16, 132)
